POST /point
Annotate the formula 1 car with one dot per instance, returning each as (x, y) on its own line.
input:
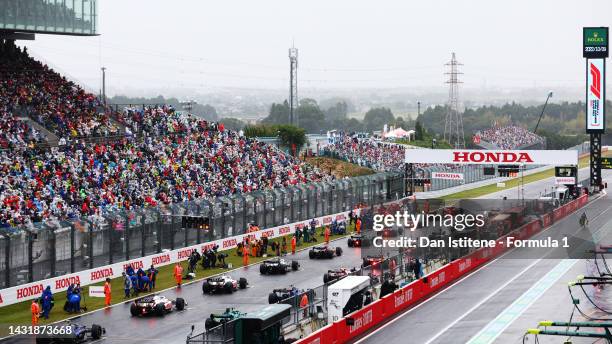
(278, 295)
(321, 252)
(155, 304)
(355, 240)
(372, 260)
(223, 284)
(78, 334)
(337, 274)
(276, 266)
(218, 319)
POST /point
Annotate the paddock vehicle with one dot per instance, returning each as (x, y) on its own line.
(372, 260)
(276, 266)
(278, 295)
(155, 304)
(223, 284)
(337, 274)
(78, 334)
(324, 252)
(219, 319)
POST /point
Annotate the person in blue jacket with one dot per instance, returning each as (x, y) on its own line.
(129, 270)
(47, 302)
(134, 281)
(152, 276)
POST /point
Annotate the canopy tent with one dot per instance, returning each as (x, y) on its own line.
(399, 133)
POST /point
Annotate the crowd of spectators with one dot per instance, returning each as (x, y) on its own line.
(49, 98)
(87, 179)
(380, 156)
(509, 137)
(13, 131)
(177, 158)
(376, 155)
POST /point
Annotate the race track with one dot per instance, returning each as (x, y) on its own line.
(453, 316)
(459, 313)
(121, 327)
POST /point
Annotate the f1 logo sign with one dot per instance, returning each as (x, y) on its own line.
(596, 81)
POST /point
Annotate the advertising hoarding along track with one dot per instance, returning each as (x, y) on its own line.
(474, 156)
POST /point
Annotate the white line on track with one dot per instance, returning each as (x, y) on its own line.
(361, 340)
(482, 301)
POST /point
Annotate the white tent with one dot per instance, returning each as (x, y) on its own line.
(399, 133)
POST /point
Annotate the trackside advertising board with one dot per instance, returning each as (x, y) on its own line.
(447, 175)
(33, 290)
(474, 156)
(595, 96)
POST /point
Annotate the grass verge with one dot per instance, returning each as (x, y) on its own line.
(511, 183)
(19, 313)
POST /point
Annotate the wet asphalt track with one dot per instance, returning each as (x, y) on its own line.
(448, 316)
(458, 313)
(174, 327)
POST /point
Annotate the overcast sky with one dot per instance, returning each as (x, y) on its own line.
(206, 45)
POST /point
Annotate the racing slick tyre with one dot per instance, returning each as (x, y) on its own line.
(206, 288)
(159, 309)
(338, 251)
(228, 287)
(350, 242)
(325, 278)
(96, 331)
(262, 269)
(209, 323)
(311, 254)
(295, 265)
(242, 283)
(134, 310)
(272, 298)
(179, 303)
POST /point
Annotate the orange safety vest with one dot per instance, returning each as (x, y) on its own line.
(35, 311)
(304, 301)
(178, 271)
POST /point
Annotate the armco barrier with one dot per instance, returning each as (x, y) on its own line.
(372, 315)
(33, 290)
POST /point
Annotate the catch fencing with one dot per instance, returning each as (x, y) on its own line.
(55, 248)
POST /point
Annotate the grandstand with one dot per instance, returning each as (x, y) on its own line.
(173, 158)
(509, 137)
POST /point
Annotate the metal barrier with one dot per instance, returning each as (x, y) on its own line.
(54, 248)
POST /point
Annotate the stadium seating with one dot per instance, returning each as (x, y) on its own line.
(176, 157)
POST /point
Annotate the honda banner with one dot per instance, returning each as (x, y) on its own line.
(472, 156)
(447, 175)
(595, 94)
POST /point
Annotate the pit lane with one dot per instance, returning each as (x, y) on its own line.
(461, 311)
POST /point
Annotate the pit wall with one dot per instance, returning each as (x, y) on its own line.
(383, 309)
(33, 290)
